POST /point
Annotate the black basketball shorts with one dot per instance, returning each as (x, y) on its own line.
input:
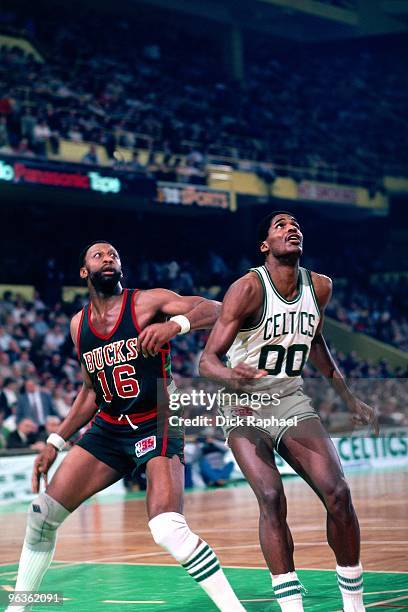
(126, 449)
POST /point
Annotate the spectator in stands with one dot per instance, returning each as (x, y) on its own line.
(54, 338)
(5, 339)
(27, 125)
(75, 134)
(214, 470)
(389, 413)
(41, 135)
(8, 396)
(40, 325)
(25, 365)
(54, 367)
(91, 156)
(6, 369)
(61, 401)
(34, 404)
(25, 436)
(51, 426)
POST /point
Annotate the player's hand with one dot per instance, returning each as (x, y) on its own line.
(363, 414)
(42, 464)
(243, 374)
(152, 338)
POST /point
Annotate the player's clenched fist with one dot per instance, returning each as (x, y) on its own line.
(243, 374)
(41, 466)
(152, 338)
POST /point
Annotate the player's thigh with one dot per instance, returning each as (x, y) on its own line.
(80, 476)
(253, 451)
(312, 454)
(165, 485)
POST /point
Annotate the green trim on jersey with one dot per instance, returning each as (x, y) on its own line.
(299, 285)
(265, 301)
(312, 289)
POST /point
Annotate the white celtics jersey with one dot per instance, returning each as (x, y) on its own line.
(281, 341)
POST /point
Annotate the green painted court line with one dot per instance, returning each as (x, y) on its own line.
(106, 587)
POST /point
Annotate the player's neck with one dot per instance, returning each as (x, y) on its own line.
(103, 301)
(284, 273)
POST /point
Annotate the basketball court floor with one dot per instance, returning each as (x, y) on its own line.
(107, 561)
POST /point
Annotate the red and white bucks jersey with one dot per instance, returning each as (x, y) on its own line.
(281, 341)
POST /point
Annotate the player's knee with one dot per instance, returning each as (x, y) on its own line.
(45, 515)
(171, 531)
(338, 501)
(272, 502)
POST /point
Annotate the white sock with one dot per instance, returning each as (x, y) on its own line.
(204, 567)
(32, 567)
(350, 581)
(288, 592)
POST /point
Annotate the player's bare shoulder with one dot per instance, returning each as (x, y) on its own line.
(245, 295)
(323, 286)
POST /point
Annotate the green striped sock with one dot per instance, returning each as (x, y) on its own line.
(350, 581)
(203, 563)
(288, 591)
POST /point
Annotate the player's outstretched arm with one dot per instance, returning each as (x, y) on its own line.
(81, 412)
(322, 359)
(242, 301)
(200, 312)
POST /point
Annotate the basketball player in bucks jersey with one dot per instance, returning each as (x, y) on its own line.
(122, 338)
(270, 324)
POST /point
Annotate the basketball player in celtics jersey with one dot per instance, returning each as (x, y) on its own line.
(270, 324)
(122, 338)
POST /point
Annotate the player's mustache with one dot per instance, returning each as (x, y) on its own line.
(99, 280)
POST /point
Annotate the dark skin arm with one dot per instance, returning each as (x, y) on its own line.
(242, 302)
(81, 412)
(201, 313)
(321, 358)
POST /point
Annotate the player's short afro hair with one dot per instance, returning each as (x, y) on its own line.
(265, 224)
(84, 251)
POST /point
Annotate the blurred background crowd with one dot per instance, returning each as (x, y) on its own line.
(166, 91)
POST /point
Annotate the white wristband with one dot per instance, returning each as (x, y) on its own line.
(183, 322)
(56, 441)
